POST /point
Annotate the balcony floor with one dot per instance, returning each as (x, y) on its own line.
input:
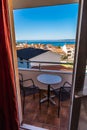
(47, 117)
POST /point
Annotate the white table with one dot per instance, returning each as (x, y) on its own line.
(49, 79)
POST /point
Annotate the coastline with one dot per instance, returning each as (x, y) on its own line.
(47, 42)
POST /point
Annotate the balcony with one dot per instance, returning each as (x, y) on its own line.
(48, 116)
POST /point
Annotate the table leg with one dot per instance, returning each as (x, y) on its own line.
(48, 98)
(44, 99)
(51, 100)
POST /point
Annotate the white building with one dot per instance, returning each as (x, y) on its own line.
(69, 49)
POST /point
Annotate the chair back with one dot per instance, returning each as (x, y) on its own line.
(67, 84)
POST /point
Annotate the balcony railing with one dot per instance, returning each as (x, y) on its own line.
(39, 65)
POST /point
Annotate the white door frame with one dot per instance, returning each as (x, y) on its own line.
(76, 69)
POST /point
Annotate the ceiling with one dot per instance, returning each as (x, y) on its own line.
(18, 4)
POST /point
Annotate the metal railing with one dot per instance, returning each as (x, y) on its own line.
(40, 64)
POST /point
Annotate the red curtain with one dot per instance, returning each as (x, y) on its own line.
(8, 101)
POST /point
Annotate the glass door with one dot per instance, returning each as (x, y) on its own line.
(82, 123)
(78, 113)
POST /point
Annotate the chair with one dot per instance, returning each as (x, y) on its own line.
(27, 89)
(62, 93)
(65, 91)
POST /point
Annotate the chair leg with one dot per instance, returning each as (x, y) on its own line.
(59, 103)
(34, 96)
(40, 100)
(23, 103)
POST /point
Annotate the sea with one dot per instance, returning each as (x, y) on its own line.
(51, 42)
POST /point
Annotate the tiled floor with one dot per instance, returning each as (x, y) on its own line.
(47, 117)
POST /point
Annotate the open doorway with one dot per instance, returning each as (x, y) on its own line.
(39, 67)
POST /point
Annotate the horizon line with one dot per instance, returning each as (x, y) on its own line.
(44, 39)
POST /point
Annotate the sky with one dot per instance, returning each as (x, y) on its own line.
(46, 23)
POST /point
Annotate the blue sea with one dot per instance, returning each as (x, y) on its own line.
(52, 42)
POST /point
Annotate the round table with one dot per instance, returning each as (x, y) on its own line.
(49, 79)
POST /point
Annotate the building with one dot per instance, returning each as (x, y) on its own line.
(29, 57)
(69, 49)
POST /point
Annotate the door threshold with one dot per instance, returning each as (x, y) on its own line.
(31, 127)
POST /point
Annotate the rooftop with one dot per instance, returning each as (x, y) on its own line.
(28, 53)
